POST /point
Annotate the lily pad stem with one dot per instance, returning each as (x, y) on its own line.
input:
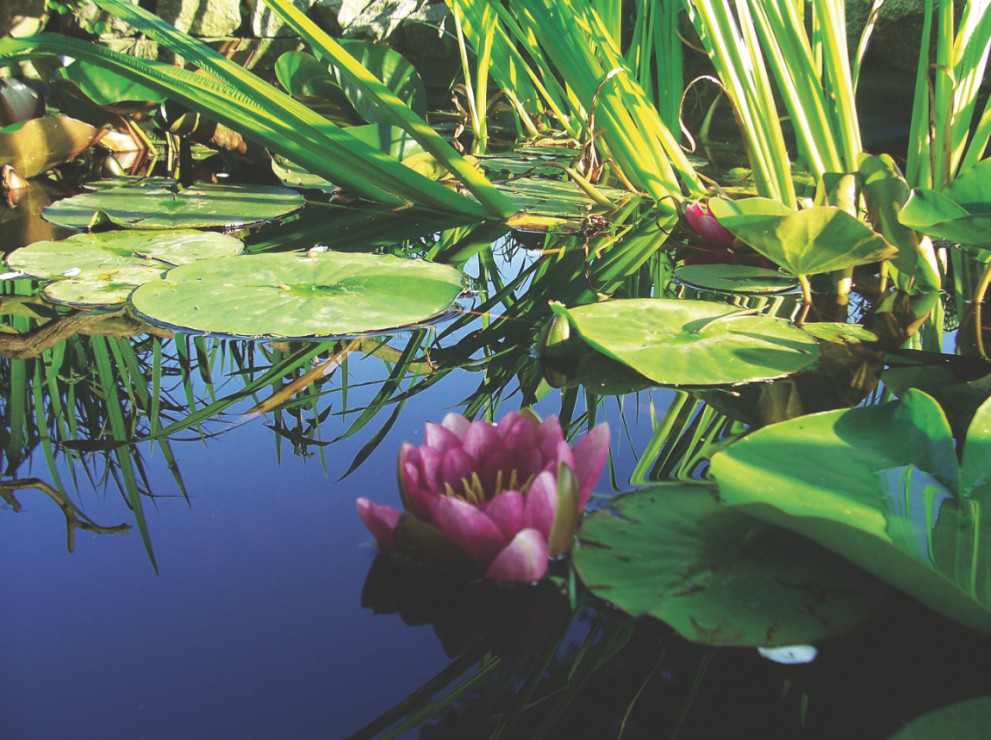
(982, 289)
(803, 280)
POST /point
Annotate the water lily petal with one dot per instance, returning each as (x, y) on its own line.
(506, 510)
(491, 465)
(541, 502)
(430, 468)
(523, 560)
(416, 495)
(481, 440)
(457, 467)
(521, 436)
(470, 528)
(440, 438)
(590, 457)
(456, 423)
(380, 520)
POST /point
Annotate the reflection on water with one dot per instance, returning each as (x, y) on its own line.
(237, 464)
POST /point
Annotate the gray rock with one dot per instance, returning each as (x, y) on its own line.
(375, 20)
(266, 24)
(209, 18)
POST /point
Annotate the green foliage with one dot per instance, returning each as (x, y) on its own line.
(298, 295)
(716, 575)
(692, 343)
(156, 204)
(882, 487)
(807, 242)
(103, 268)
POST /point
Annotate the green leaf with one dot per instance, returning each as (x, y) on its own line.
(153, 207)
(716, 575)
(975, 468)
(103, 268)
(298, 295)
(960, 213)
(106, 87)
(877, 485)
(806, 242)
(692, 343)
(735, 278)
(392, 69)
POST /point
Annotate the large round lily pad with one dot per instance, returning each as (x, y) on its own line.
(717, 576)
(154, 207)
(103, 268)
(299, 295)
(693, 343)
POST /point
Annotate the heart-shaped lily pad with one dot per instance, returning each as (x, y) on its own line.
(152, 207)
(718, 576)
(692, 343)
(807, 242)
(103, 268)
(880, 486)
(292, 295)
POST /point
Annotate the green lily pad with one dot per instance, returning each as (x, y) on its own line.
(692, 343)
(807, 242)
(965, 720)
(880, 486)
(718, 576)
(840, 333)
(103, 268)
(735, 278)
(107, 288)
(106, 87)
(150, 207)
(291, 295)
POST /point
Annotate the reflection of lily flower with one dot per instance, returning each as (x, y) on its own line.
(706, 225)
(502, 497)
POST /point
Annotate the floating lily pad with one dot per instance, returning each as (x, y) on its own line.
(152, 207)
(294, 295)
(840, 333)
(736, 278)
(882, 487)
(717, 576)
(103, 268)
(692, 343)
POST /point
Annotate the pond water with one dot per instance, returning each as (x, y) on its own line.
(266, 612)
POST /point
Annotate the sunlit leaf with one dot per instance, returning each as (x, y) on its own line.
(736, 278)
(806, 242)
(393, 70)
(693, 343)
(295, 295)
(103, 268)
(718, 576)
(879, 485)
(155, 207)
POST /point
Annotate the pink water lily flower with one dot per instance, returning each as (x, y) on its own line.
(501, 498)
(706, 225)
